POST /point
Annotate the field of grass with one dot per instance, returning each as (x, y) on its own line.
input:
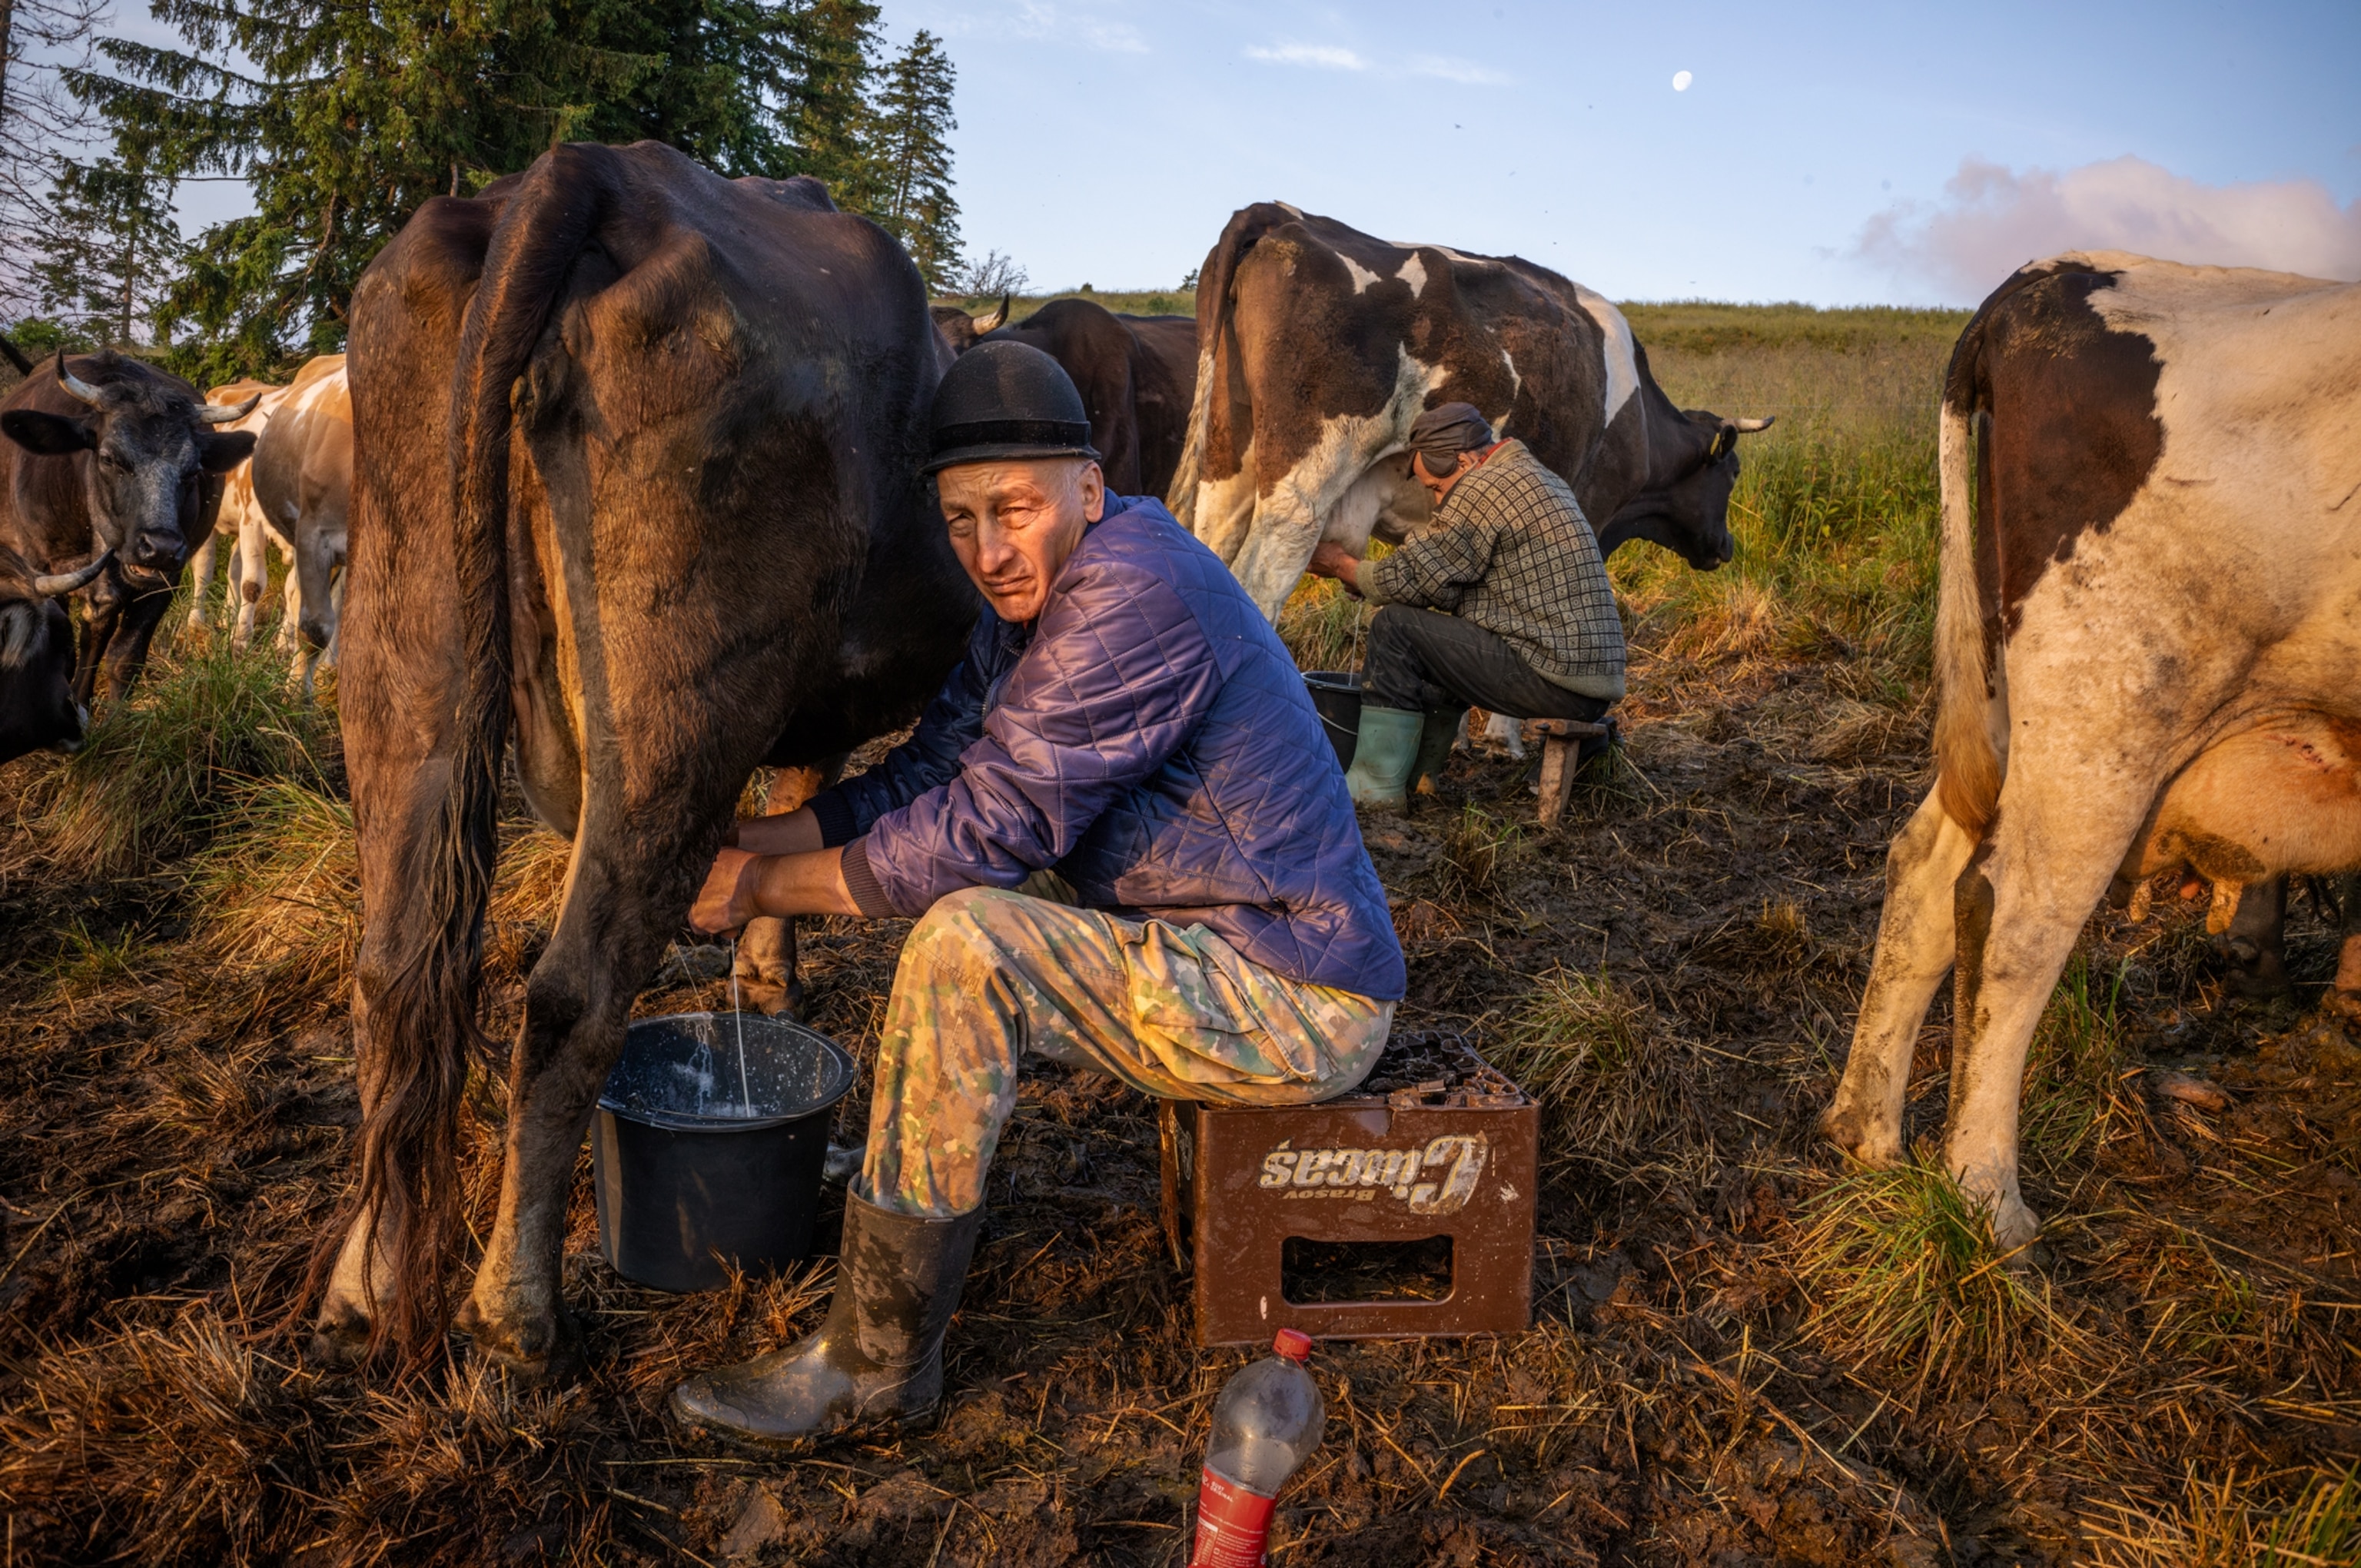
(1744, 1351)
(1122, 301)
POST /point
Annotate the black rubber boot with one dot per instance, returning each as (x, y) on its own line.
(878, 1360)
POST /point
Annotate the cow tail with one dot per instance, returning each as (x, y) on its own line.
(1215, 351)
(423, 1020)
(1968, 763)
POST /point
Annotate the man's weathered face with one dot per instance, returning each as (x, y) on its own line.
(1437, 484)
(1013, 524)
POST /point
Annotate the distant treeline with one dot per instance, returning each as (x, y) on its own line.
(343, 117)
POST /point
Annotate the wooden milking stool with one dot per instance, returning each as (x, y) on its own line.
(1562, 742)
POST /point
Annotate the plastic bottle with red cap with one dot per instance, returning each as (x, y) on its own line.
(1266, 1424)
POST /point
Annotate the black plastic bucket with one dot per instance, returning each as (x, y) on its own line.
(692, 1166)
(1338, 695)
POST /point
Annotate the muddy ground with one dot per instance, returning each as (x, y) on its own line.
(169, 1145)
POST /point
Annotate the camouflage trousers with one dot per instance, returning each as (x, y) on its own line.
(987, 976)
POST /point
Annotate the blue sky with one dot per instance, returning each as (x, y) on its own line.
(1836, 154)
(1828, 153)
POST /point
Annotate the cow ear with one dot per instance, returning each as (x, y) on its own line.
(51, 435)
(1724, 438)
(24, 630)
(219, 453)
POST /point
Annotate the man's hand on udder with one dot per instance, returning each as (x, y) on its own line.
(726, 902)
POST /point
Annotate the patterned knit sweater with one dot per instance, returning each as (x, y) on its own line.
(1509, 551)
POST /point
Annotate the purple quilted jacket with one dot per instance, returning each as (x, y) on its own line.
(1149, 739)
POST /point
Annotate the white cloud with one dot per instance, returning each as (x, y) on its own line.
(1993, 220)
(1038, 19)
(1461, 70)
(1336, 57)
(1320, 56)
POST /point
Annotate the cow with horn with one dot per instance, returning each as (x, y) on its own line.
(110, 462)
(662, 524)
(38, 710)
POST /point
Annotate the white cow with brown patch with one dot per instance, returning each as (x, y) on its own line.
(2149, 629)
(1318, 346)
(240, 521)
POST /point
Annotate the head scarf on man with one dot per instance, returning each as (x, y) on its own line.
(1441, 435)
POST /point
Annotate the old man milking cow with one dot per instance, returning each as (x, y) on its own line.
(1127, 847)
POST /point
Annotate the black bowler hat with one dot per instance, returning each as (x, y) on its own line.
(1006, 399)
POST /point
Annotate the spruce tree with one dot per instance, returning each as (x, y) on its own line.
(344, 115)
(913, 160)
(827, 116)
(109, 249)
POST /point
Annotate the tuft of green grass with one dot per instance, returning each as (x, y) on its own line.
(1474, 850)
(2220, 1524)
(281, 883)
(87, 960)
(161, 771)
(2322, 1526)
(1586, 1049)
(1900, 1270)
(2073, 1096)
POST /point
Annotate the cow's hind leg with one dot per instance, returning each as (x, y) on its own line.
(2052, 850)
(1915, 948)
(625, 896)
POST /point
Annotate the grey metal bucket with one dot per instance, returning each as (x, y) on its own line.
(693, 1165)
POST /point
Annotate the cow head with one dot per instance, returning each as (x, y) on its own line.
(149, 448)
(1685, 507)
(36, 660)
(963, 331)
(320, 549)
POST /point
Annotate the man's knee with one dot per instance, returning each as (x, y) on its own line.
(1389, 627)
(966, 931)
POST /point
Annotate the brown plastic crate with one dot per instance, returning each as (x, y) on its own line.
(1453, 1156)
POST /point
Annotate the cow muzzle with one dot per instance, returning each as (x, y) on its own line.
(157, 552)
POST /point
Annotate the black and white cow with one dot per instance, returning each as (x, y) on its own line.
(1317, 347)
(2145, 642)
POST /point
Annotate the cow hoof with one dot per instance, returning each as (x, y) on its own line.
(2254, 973)
(2013, 1225)
(340, 1340)
(534, 1354)
(1853, 1130)
(2339, 1003)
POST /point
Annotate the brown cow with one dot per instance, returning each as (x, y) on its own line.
(960, 330)
(663, 525)
(1138, 376)
(1318, 345)
(108, 458)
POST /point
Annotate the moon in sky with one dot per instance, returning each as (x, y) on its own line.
(1681, 80)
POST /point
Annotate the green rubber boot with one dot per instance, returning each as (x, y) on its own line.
(1434, 749)
(1384, 756)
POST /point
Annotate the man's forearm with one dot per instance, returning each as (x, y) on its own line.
(809, 883)
(793, 832)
